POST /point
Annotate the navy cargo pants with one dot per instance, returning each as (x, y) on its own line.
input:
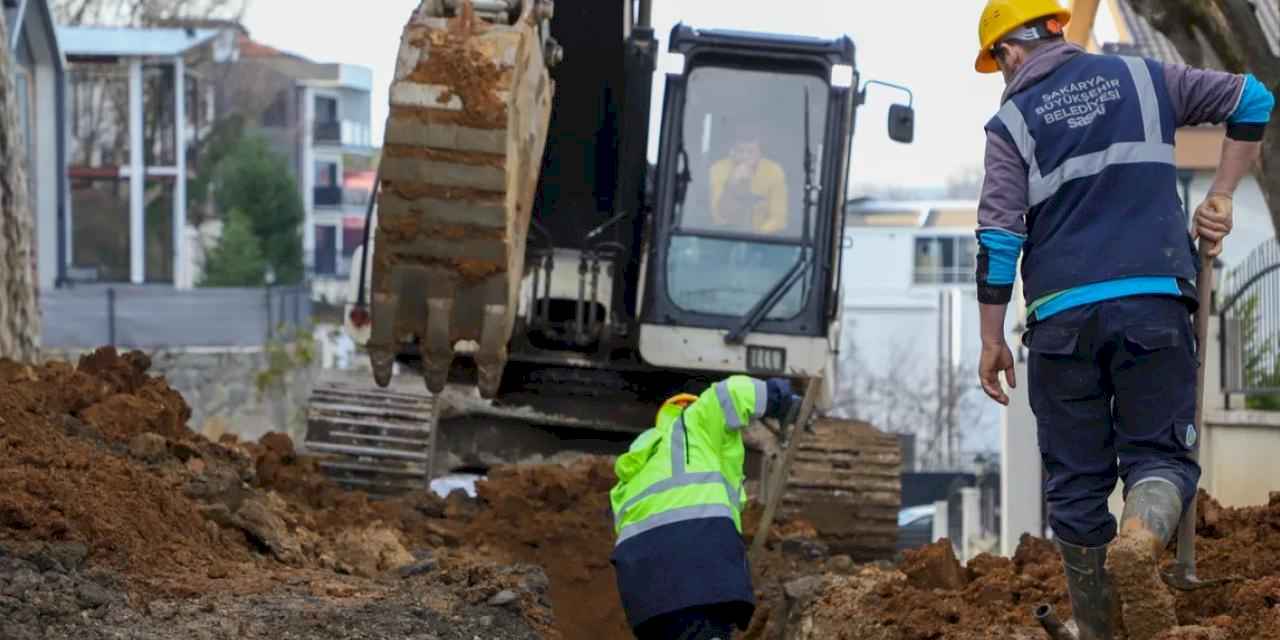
(1112, 386)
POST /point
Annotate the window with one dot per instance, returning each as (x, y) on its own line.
(326, 173)
(326, 109)
(746, 155)
(946, 260)
(746, 177)
(326, 255)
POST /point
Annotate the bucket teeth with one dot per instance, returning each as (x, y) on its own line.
(469, 110)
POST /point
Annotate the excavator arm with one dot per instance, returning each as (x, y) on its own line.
(1083, 14)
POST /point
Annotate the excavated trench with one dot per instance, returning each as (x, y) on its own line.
(116, 519)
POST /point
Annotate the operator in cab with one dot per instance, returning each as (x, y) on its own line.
(748, 190)
(680, 559)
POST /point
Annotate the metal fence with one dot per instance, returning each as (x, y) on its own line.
(155, 317)
(1249, 310)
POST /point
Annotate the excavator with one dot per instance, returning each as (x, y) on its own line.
(551, 286)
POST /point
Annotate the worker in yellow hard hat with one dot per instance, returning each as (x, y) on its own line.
(1016, 18)
(679, 560)
(1081, 185)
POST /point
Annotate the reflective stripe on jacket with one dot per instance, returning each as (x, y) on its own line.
(1096, 138)
(690, 464)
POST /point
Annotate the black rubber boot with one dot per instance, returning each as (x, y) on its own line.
(1151, 512)
(1155, 506)
(1093, 603)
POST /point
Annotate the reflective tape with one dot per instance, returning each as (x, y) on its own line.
(1152, 150)
(1146, 98)
(1012, 118)
(732, 419)
(673, 516)
(677, 446)
(762, 398)
(677, 482)
(1041, 188)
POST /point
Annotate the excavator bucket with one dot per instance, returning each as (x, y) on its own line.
(469, 111)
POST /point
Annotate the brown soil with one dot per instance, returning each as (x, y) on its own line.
(557, 517)
(914, 601)
(115, 516)
(109, 503)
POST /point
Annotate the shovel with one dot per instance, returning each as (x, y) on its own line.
(1182, 575)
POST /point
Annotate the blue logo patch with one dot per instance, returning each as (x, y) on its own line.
(1190, 436)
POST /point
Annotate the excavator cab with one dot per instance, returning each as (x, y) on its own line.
(743, 262)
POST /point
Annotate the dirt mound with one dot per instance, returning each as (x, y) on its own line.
(924, 597)
(934, 567)
(66, 475)
(118, 506)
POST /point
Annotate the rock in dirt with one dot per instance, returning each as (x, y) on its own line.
(934, 567)
(502, 598)
(269, 529)
(92, 595)
(148, 447)
(417, 568)
(278, 443)
(802, 589)
(371, 551)
(841, 563)
(807, 548)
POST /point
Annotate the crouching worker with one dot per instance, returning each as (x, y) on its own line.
(680, 559)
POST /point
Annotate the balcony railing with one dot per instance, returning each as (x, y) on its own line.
(328, 131)
(347, 133)
(337, 196)
(329, 264)
(945, 275)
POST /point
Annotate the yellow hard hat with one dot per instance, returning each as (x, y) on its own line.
(681, 400)
(1000, 17)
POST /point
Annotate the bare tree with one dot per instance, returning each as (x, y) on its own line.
(938, 404)
(19, 310)
(1229, 33)
(966, 183)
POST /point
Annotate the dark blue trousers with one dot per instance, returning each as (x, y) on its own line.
(1112, 386)
(715, 622)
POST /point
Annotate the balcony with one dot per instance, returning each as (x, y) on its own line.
(328, 263)
(344, 133)
(340, 197)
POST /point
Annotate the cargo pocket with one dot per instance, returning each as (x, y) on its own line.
(1052, 341)
(1056, 374)
(1152, 339)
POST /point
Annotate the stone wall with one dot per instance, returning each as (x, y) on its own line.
(222, 387)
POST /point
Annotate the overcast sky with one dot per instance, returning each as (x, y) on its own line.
(926, 45)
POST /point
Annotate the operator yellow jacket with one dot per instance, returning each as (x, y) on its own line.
(768, 207)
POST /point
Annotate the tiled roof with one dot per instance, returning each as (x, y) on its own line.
(1147, 41)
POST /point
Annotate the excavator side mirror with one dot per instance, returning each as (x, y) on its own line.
(902, 123)
(902, 117)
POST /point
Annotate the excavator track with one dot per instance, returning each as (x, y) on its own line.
(846, 481)
(374, 440)
(470, 105)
